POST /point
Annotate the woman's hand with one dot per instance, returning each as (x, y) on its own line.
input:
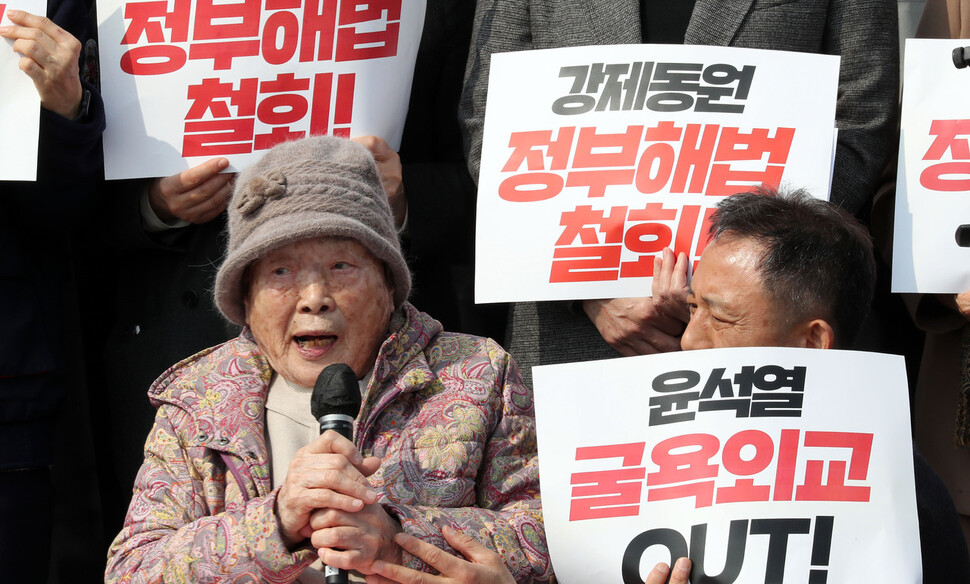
(642, 326)
(355, 540)
(679, 575)
(328, 473)
(49, 57)
(482, 567)
(196, 195)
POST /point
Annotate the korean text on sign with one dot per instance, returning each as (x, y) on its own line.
(244, 75)
(594, 163)
(222, 115)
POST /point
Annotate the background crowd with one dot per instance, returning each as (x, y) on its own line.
(106, 284)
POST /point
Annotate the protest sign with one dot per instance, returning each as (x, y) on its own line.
(188, 80)
(789, 466)
(594, 159)
(20, 106)
(931, 239)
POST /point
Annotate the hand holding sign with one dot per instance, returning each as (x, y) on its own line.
(643, 326)
(196, 195)
(50, 59)
(678, 575)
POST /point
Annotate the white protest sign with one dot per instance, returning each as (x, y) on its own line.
(188, 80)
(20, 106)
(931, 239)
(790, 466)
(596, 158)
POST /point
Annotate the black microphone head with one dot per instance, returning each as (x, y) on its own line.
(336, 392)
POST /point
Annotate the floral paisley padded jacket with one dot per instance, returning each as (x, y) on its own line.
(447, 414)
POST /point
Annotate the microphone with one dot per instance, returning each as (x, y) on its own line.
(335, 402)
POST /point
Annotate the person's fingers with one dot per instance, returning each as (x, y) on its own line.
(190, 178)
(335, 551)
(432, 555)
(205, 201)
(680, 271)
(663, 268)
(31, 43)
(325, 518)
(670, 289)
(681, 572)
(470, 547)
(49, 56)
(307, 499)
(662, 322)
(376, 578)
(404, 575)
(378, 147)
(658, 575)
(649, 344)
(26, 19)
(322, 474)
(331, 442)
(369, 466)
(211, 207)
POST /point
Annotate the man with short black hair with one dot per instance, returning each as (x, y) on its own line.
(787, 270)
(803, 267)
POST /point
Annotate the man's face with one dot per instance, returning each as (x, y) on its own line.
(728, 306)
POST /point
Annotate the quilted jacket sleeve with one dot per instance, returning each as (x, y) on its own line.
(508, 515)
(187, 523)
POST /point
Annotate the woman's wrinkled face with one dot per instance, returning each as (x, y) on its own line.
(316, 302)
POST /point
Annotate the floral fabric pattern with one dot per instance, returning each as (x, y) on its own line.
(447, 414)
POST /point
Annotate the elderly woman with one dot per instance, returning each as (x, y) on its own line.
(238, 486)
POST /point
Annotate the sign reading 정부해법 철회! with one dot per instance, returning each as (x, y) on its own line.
(595, 159)
(760, 464)
(188, 80)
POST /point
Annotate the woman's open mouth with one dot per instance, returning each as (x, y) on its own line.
(313, 346)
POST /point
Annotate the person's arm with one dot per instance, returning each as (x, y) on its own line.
(507, 514)
(69, 158)
(483, 566)
(179, 527)
(195, 195)
(643, 326)
(865, 33)
(49, 56)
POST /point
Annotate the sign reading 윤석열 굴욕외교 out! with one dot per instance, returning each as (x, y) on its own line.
(783, 466)
(189, 80)
(596, 158)
(20, 105)
(931, 239)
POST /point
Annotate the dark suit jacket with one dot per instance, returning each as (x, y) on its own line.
(440, 243)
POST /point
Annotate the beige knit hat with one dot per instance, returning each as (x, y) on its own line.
(322, 186)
